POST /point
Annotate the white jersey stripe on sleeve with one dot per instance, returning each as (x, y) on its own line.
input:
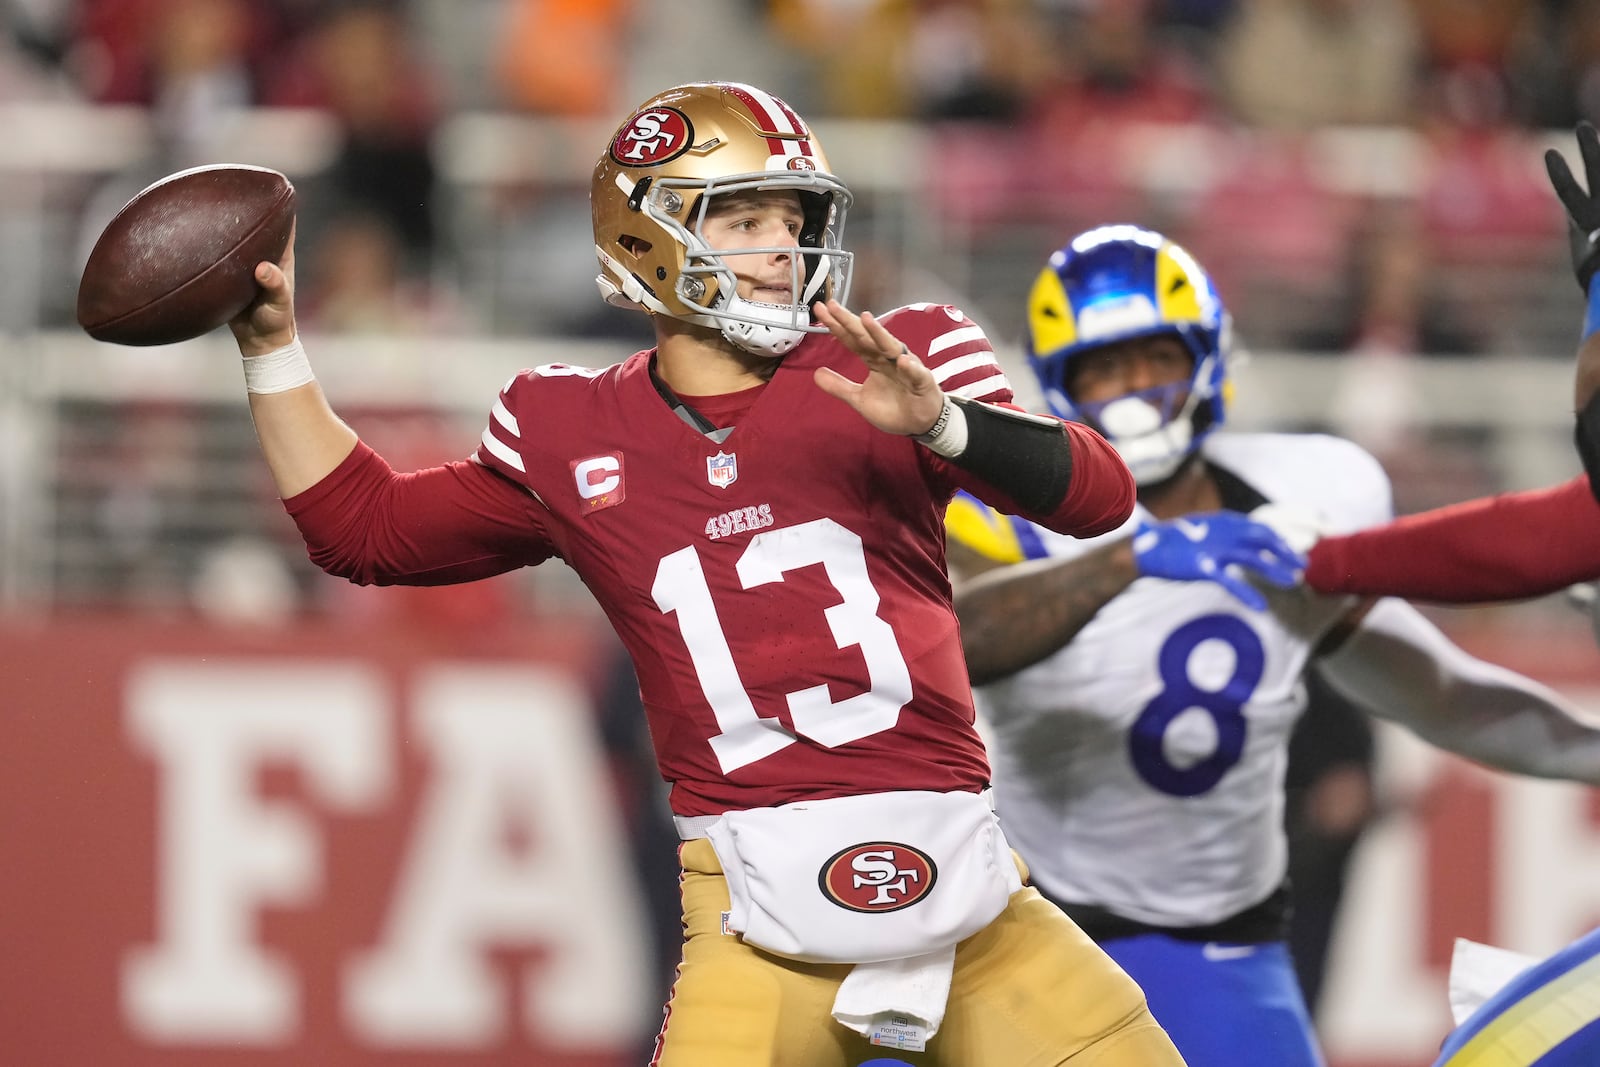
(507, 421)
(955, 337)
(961, 364)
(983, 387)
(503, 452)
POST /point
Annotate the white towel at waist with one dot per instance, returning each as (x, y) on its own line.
(897, 1003)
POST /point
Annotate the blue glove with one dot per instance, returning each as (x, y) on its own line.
(1207, 546)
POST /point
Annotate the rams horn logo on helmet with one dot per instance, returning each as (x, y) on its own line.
(877, 876)
(653, 137)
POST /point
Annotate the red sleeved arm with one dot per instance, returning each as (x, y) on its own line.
(454, 523)
(1503, 547)
(1100, 490)
(1102, 493)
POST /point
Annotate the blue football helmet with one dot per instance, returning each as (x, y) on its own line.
(1119, 283)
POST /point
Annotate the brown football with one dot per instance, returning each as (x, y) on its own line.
(179, 259)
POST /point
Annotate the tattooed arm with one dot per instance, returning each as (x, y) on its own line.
(1015, 616)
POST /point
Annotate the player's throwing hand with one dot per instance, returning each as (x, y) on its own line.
(268, 322)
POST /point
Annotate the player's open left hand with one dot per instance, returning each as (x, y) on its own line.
(1217, 546)
(268, 323)
(1583, 206)
(900, 394)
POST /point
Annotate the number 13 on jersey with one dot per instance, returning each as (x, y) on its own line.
(743, 736)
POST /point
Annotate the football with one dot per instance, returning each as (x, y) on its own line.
(179, 259)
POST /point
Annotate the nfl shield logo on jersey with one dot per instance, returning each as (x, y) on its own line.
(722, 470)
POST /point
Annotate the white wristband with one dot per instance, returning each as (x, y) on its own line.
(948, 435)
(279, 370)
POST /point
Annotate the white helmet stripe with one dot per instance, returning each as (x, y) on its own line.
(784, 146)
(773, 113)
(774, 116)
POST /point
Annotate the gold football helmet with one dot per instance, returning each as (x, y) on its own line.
(651, 190)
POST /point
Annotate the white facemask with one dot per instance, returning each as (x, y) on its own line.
(1151, 450)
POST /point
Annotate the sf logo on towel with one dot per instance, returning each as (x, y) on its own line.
(877, 876)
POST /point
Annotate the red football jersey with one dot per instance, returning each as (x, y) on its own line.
(783, 593)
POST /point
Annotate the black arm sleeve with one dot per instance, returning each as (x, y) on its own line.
(1027, 457)
(1586, 433)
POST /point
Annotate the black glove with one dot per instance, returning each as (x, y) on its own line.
(1583, 208)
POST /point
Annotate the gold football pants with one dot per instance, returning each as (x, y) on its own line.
(1029, 990)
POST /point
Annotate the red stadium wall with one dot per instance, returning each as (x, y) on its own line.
(313, 847)
(358, 846)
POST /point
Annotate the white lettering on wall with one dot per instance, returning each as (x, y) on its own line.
(1381, 995)
(516, 846)
(1547, 870)
(224, 852)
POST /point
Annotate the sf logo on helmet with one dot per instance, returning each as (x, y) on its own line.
(877, 876)
(652, 137)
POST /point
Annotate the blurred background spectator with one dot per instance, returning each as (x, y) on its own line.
(564, 57)
(1218, 120)
(1295, 65)
(359, 62)
(34, 38)
(1330, 800)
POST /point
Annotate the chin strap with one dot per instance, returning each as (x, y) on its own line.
(776, 337)
(770, 329)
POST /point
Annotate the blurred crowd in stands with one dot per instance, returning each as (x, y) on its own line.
(1290, 64)
(1035, 107)
(1362, 177)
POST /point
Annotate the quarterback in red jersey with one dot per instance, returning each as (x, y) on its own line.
(1513, 545)
(757, 504)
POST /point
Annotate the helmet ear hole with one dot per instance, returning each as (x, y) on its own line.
(634, 246)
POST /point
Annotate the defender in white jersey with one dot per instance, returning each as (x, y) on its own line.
(1140, 724)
